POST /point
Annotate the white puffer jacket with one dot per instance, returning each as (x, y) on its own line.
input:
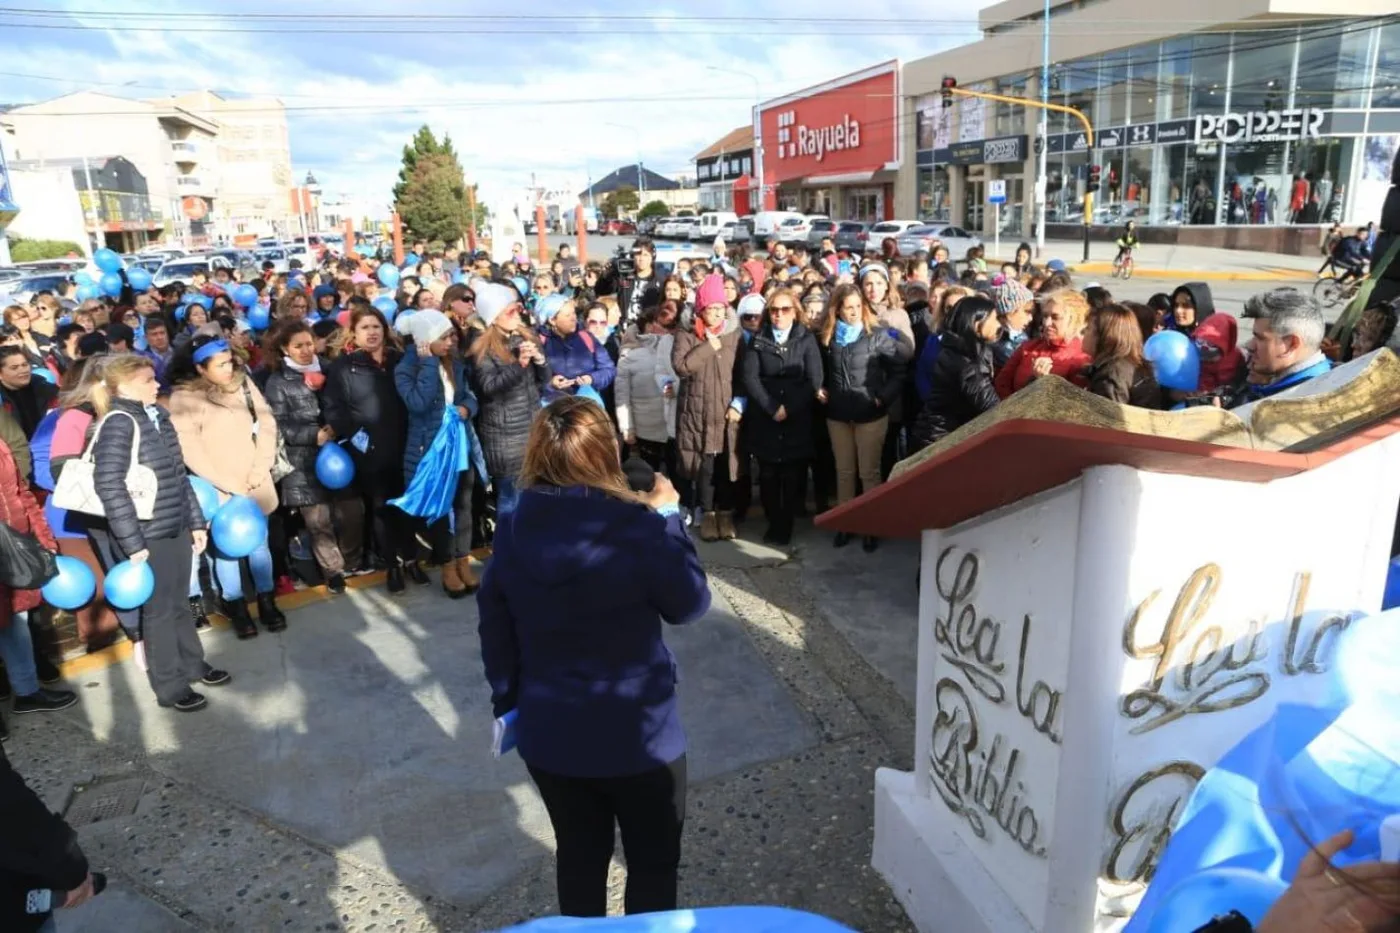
(643, 371)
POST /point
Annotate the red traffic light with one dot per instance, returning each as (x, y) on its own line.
(949, 82)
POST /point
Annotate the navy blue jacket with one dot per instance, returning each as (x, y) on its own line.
(420, 386)
(579, 354)
(570, 613)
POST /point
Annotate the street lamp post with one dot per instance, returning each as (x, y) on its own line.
(757, 122)
(1042, 180)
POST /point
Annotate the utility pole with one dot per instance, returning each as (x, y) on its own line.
(1042, 178)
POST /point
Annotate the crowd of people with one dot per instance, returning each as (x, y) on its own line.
(802, 374)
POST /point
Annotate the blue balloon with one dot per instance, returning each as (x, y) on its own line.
(1392, 586)
(111, 284)
(334, 468)
(258, 317)
(245, 295)
(139, 278)
(207, 495)
(44, 373)
(458, 277)
(239, 527)
(388, 275)
(83, 277)
(204, 301)
(387, 307)
(129, 585)
(89, 292)
(410, 262)
(74, 586)
(1207, 894)
(591, 394)
(521, 285)
(1175, 360)
(107, 260)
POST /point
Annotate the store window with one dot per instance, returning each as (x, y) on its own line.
(864, 205)
(934, 206)
(1263, 62)
(1333, 67)
(1209, 65)
(1195, 171)
(1108, 196)
(1256, 183)
(1013, 212)
(1137, 184)
(1386, 85)
(1069, 203)
(1325, 164)
(1174, 80)
(1142, 83)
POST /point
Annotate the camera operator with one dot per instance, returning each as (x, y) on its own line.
(644, 276)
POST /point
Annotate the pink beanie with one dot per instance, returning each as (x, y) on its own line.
(710, 292)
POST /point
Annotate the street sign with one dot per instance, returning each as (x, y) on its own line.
(996, 191)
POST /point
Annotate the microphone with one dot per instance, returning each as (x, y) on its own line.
(640, 476)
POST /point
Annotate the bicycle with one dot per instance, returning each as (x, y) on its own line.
(1330, 291)
(1123, 266)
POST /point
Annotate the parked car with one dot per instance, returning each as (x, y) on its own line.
(182, 271)
(711, 223)
(743, 230)
(268, 242)
(766, 224)
(21, 290)
(149, 263)
(618, 228)
(162, 253)
(819, 229)
(958, 240)
(684, 226)
(892, 228)
(277, 256)
(853, 236)
(668, 254)
(794, 230)
(9, 274)
(736, 231)
(646, 226)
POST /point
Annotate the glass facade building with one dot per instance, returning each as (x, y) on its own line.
(1273, 125)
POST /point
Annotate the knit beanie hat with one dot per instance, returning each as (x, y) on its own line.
(548, 306)
(427, 325)
(870, 267)
(1010, 295)
(492, 299)
(710, 292)
(751, 305)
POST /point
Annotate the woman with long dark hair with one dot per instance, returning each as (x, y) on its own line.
(570, 612)
(1113, 341)
(960, 385)
(361, 403)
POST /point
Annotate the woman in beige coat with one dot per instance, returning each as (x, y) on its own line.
(229, 437)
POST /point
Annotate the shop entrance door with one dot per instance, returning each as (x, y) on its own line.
(974, 204)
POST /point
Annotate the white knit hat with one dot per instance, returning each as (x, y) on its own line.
(427, 325)
(492, 299)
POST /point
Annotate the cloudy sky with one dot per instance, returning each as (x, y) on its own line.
(558, 89)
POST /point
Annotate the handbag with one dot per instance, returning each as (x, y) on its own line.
(25, 564)
(281, 465)
(76, 492)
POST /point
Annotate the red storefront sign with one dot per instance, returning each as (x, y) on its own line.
(849, 126)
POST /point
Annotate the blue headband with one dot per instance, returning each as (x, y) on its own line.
(210, 349)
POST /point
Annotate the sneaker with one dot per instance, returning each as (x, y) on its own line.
(189, 703)
(213, 677)
(336, 584)
(415, 573)
(285, 586)
(45, 701)
(395, 578)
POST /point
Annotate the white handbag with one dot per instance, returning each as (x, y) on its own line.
(75, 491)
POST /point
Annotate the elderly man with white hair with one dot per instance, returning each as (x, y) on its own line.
(1285, 350)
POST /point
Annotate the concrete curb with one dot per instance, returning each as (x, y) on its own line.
(1105, 270)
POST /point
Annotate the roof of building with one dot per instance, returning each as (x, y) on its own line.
(626, 177)
(735, 140)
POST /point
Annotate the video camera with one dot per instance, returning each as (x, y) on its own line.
(623, 262)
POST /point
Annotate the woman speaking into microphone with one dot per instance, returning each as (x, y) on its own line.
(583, 573)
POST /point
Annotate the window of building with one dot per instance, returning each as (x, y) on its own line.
(1069, 207)
(1386, 85)
(1209, 64)
(1078, 83)
(748, 166)
(1111, 107)
(1137, 184)
(1013, 212)
(934, 205)
(1263, 62)
(1174, 80)
(1325, 164)
(1333, 66)
(1142, 83)
(924, 122)
(1199, 177)
(1011, 118)
(1256, 182)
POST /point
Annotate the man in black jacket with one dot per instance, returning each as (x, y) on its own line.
(26, 398)
(38, 851)
(646, 277)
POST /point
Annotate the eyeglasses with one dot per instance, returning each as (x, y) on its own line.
(790, 309)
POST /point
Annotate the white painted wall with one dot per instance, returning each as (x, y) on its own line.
(49, 207)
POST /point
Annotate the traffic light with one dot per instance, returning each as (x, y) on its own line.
(948, 84)
(1095, 172)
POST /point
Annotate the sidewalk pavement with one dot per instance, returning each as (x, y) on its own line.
(1175, 263)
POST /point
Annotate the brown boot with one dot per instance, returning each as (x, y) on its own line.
(464, 570)
(727, 531)
(452, 583)
(709, 527)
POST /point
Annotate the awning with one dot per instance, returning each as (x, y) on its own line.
(846, 178)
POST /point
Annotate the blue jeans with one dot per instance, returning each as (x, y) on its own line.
(507, 496)
(17, 651)
(196, 590)
(230, 574)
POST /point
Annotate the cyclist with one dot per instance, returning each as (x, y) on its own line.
(1126, 244)
(1351, 254)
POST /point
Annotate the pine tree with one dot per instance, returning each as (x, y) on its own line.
(431, 193)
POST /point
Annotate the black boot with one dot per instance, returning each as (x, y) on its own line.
(243, 625)
(869, 543)
(396, 584)
(842, 539)
(415, 573)
(40, 634)
(271, 617)
(201, 621)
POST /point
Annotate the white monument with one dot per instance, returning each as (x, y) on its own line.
(1102, 615)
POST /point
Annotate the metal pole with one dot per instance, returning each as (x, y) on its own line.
(90, 215)
(996, 230)
(1042, 179)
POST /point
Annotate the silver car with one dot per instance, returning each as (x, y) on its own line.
(277, 256)
(927, 236)
(820, 229)
(854, 237)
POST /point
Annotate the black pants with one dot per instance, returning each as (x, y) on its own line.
(659, 455)
(649, 809)
(388, 530)
(782, 487)
(451, 536)
(823, 464)
(713, 491)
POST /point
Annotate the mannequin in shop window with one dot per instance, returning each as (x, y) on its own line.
(1235, 200)
(1323, 190)
(1332, 213)
(1298, 199)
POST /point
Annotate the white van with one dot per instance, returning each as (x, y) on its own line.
(766, 223)
(711, 223)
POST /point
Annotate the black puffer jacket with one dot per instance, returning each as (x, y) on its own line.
(783, 376)
(509, 395)
(37, 850)
(298, 412)
(962, 385)
(359, 395)
(177, 508)
(863, 378)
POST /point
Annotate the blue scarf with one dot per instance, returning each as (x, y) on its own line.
(847, 334)
(780, 337)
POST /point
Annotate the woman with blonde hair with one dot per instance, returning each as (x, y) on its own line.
(864, 374)
(47, 311)
(1058, 350)
(570, 612)
(124, 402)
